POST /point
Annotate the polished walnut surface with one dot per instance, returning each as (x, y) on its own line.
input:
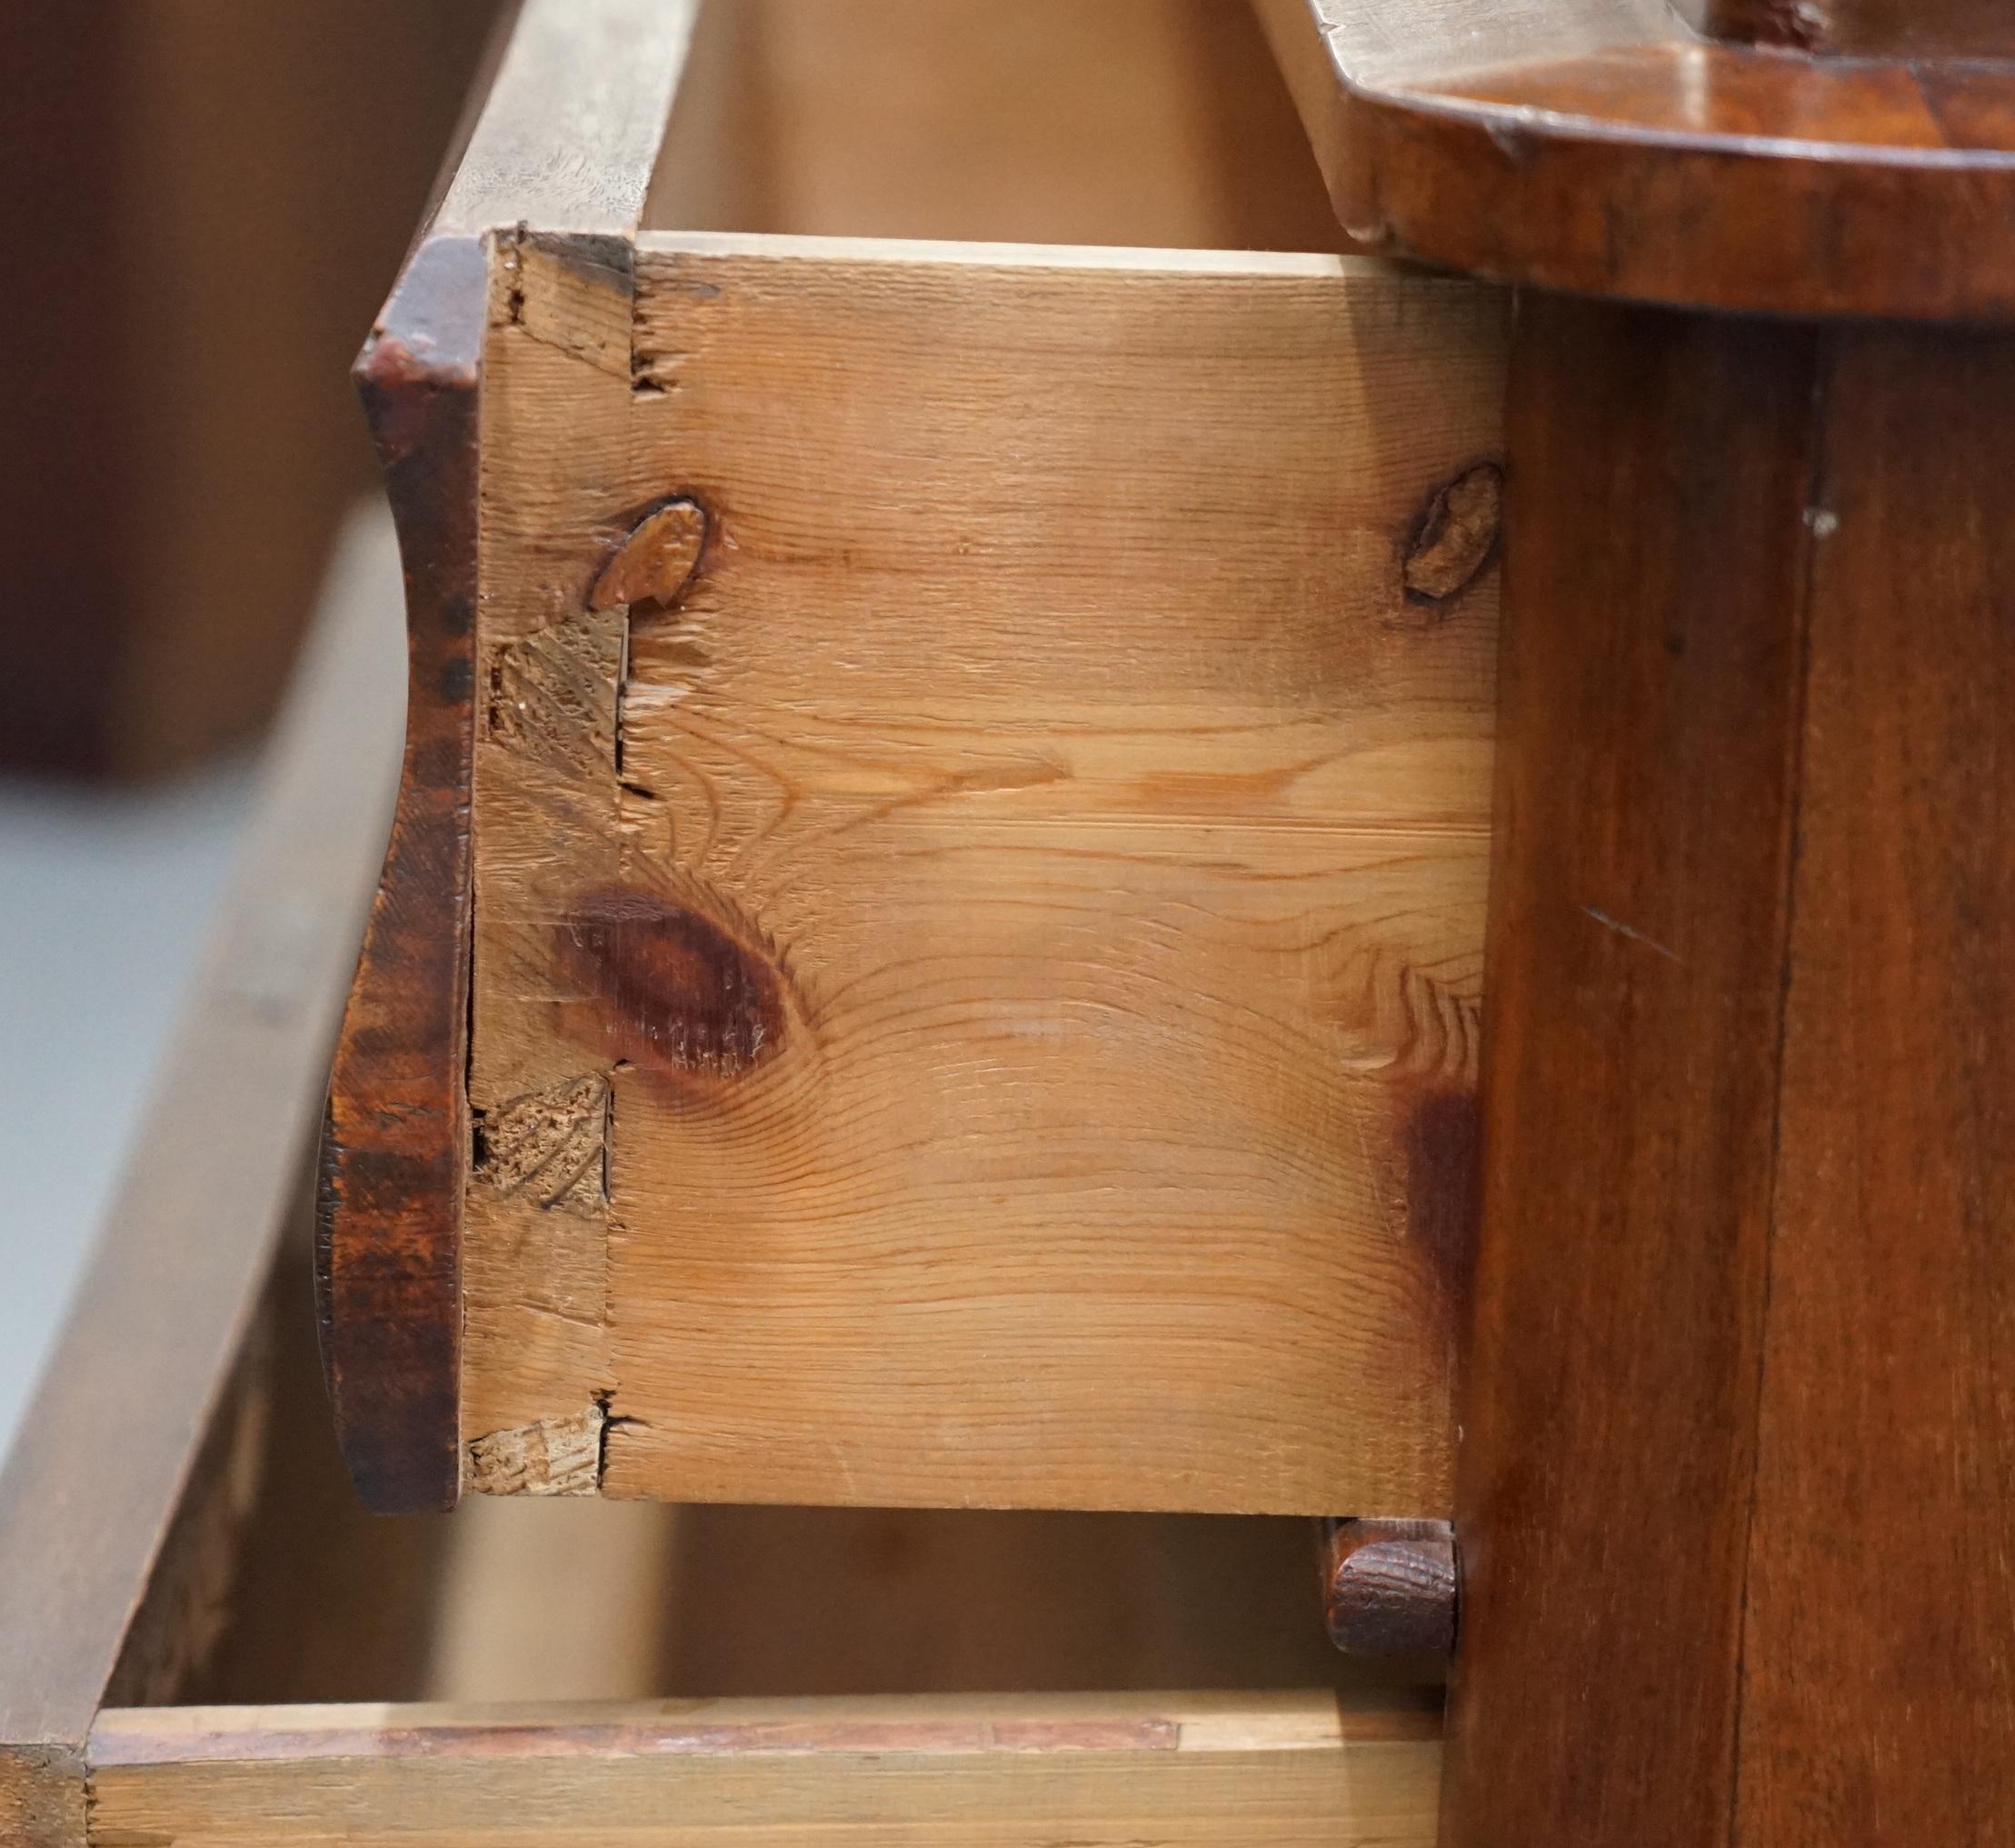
(1602, 146)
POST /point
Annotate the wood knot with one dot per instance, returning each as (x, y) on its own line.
(1389, 1587)
(1453, 538)
(657, 558)
(669, 988)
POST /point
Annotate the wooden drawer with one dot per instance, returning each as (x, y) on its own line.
(932, 951)
(211, 1644)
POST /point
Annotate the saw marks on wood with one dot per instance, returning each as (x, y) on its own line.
(1022, 888)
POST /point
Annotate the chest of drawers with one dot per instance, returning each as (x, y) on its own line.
(935, 952)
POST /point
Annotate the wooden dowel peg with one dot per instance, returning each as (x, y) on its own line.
(1389, 1587)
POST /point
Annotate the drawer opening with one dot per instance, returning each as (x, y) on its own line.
(578, 1670)
(277, 1587)
(1149, 122)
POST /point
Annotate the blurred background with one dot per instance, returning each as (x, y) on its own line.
(208, 200)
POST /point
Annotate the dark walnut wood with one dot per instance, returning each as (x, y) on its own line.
(1738, 1463)
(397, 1142)
(1604, 147)
(1389, 1586)
(1879, 1651)
(1739, 1447)
(387, 1254)
(1904, 28)
(1649, 714)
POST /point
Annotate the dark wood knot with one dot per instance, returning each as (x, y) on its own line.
(1453, 538)
(656, 559)
(663, 986)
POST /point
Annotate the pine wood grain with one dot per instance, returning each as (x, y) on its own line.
(1232, 1772)
(1024, 904)
(1072, 782)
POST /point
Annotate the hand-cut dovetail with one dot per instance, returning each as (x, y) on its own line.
(1453, 538)
(551, 1146)
(1389, 1587)
(552, 1456)
(657, 558)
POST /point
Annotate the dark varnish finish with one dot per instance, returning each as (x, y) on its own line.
(1907, 28)
(1738, 1447)
(1606, 147)
(1649, 711)
(1737, 1471)
(396, 1148)
(1388, 1588)
(1879, 1657)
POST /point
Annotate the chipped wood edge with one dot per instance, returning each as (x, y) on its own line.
(547, 1149)
(549, 1456)
(43, 1802)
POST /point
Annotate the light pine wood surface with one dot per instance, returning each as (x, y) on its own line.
(1232, 1772)
(975, 995)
